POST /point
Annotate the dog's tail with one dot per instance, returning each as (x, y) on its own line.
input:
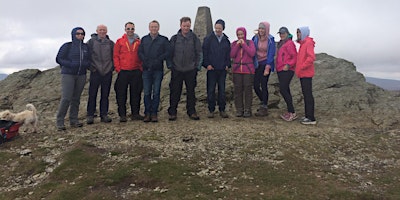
(31, 107)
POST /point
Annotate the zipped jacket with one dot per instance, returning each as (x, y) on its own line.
(126, 55)
(74, 57)
(305, 59)
(286, 55)
(216, 53)
(101, 54)
(153, 52)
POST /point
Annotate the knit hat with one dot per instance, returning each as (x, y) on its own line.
(220, 21)
(283, 30)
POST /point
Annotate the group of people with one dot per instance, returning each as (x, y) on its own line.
(139, 63)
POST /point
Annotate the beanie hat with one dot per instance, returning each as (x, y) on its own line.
(220, 21)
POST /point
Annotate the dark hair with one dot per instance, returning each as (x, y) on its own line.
(129, 23)
(155, 21)
(185, 19)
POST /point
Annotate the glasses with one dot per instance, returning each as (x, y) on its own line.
(78, 33)
(130, 29)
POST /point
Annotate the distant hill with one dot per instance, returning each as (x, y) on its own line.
(3, 76)
(387, 84)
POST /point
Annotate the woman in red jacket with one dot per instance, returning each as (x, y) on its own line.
(285, 63)
(305, 71)
(242, 53)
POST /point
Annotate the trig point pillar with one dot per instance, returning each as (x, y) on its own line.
(203, 23)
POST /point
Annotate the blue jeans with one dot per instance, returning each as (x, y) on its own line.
(216, 78)
(151, 87)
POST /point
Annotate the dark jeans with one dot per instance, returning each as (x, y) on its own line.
(175, 87)
(243, 91)
(104, 82)
(151, 87)
(306, 88)
(261, 84)
(132, 80)
(216, 78)
(285, 77)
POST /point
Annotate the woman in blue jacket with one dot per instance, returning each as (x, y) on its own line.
(265, 53)
(73, 58)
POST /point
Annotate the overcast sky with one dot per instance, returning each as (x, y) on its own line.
(364, 32)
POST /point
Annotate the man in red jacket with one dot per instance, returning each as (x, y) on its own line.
(129, 68)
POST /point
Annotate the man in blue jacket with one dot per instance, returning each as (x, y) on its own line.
(153, 50)
(216, 59)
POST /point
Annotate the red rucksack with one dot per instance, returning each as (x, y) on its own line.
(8, 130)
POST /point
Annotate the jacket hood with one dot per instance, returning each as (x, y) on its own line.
(135, 36)
(244, 31)
(266, 25)
(305, 32)
(73, 32)
(94, 36)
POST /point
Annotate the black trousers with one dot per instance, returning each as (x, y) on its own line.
(131, 79)
(285, 77)
(306, 88)
(175, 87)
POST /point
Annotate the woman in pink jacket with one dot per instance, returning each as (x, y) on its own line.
(242, 54)
(285, 63)
(305, 71)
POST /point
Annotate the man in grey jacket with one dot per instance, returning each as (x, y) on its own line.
(101, 68)
(186, 56)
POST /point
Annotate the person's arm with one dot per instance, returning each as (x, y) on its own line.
(62, 55)
(116, 60)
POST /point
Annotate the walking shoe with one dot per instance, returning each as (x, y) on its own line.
(239, 114)
(247, 113)
(172, 117)
(76, 125)
(210, 115)
(308, 121)
(122, 119)
(262, 111)
(147, 118)
(105, 119)
(61, 128)
(89, 120)
(154, 118)
(223, 114)
(194, 116)
(137, 117)
(289, 116)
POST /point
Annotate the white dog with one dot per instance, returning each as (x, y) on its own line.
(26, 117)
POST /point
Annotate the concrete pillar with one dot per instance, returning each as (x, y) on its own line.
(203, 23)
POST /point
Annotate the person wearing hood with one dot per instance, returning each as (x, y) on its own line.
(265, 53)
(129, 68)
(74, 59)
(305, 71)
(184, 62)
(243, 69)
(285, 62)
(101, 71)
(216, 59)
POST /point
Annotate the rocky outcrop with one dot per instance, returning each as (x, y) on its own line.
(338, 90)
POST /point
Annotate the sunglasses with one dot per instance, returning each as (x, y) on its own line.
(79, 33)
(130, 29)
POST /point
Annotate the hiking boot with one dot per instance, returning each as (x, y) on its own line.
(210, 115)
(105, 119)
(289, 116)
(137, 117)
(76, 125)
(154, 118)
(147, 118)
(223, 114)
(172, 117)
(194, 116)
(307, 121)
(247, 113)
(122, 119)
(89, 120)
(61, 128)
(239, 113)
(262, 111)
